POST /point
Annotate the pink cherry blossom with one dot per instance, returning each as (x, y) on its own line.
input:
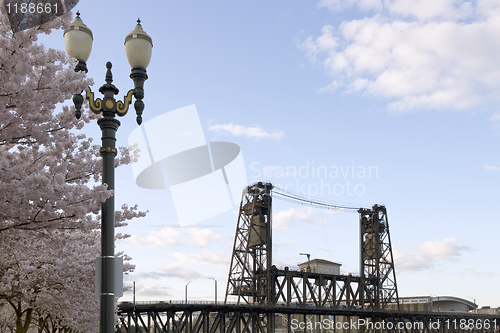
(50, 191)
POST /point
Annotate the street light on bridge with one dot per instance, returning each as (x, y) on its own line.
(215, 289)
(138, 48)
(187, 290)
(472, 298)
(439, 308)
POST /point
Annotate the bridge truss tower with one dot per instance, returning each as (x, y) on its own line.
(377, 272)
(254, 280)
(249, 273)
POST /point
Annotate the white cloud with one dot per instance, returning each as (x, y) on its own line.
(169, 237)
(416, 9)
(177, 271)
(428, 255)
(491, 167)
(332, 87)
(284, 219)
(495, 119)
(249, 132)
(470, 271)
(416, 54)
(340, 5)
(218, 259)
(431, 9)
(160, 292)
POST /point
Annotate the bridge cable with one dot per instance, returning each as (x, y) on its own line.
(308, 201)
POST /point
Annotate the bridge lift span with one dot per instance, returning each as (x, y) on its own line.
(254, 280)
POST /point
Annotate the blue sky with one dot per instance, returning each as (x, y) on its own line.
(406, 88)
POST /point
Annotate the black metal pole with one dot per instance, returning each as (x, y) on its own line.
(215, 289)
(109, 107)
(109, 125)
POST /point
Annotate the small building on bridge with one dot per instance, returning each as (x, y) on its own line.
(320, 266)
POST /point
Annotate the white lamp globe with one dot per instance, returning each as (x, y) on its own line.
(138, 47)
(78, 40)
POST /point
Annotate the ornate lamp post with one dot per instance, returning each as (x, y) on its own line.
(138, 47)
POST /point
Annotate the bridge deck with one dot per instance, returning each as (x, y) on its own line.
(257, 318)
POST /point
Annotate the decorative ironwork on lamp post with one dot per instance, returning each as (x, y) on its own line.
(138, 47)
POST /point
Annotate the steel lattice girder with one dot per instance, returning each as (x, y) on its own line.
(377, 270)
(249, 275)
(314, 289)
(216, 318)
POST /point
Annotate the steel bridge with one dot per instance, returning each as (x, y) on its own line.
(270, 300)
(248, 318)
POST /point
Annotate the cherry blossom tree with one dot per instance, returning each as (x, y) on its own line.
(50, 191)
(46, 167)
(49, 281)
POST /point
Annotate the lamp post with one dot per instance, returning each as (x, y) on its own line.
(308, 260)
(187, 290)
(439, 308)
(215, 289)
(472, 298)
(138, 47)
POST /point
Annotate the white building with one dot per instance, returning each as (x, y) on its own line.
(435, 304)
(488, 310)
(320, 266)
